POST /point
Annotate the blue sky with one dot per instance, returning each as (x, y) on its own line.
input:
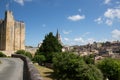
(78, 21)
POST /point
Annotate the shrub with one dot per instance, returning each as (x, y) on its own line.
(39, 59)
(2, 54)
(25, 53)
(28, 54)
(20, 52)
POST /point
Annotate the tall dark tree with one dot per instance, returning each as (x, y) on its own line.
(49, 46)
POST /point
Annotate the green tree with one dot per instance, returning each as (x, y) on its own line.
(89, 59)
(91, 72)
(68, 66)
(110, 68)
(49, 46)
(40, 59)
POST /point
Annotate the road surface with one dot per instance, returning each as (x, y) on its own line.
(11, 69)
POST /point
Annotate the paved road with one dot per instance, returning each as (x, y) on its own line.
(11, 69)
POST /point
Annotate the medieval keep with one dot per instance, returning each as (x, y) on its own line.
(12, 33)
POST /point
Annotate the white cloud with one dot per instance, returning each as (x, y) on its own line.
(66, 32)
(90, 40)
(99, 20)
(76, 17)
(104, 40)
(66, 39)
(112, 13)
(110, 16)
(83, 41)
(109, 22)
(80, 39)
(85, 34)
(21, 2)
(118, 2)
(116, 34)
(107, 1)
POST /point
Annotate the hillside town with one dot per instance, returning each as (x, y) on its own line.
(101, 49)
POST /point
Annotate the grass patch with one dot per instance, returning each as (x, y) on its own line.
(46, 73)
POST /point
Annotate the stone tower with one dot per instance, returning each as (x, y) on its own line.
(58, 37)
(12, 33)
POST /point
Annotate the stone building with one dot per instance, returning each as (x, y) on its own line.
(12, 33)
(58, 37)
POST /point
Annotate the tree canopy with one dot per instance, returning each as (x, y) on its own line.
(50, 44)
(68, 66)
(110, 68)
(49, 47)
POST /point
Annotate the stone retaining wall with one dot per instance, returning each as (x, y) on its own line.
(30, 72)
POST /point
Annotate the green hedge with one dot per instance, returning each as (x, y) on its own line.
(25, 53)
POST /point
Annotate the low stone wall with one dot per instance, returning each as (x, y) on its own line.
(30, 72)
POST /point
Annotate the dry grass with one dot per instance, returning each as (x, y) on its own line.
(45, 73)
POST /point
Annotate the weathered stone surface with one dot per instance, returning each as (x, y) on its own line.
(12, 33)
(30, 72)
(11, 69)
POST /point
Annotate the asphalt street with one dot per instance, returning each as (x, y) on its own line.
(11, 69)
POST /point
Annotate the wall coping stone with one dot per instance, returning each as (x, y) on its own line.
(32, 73)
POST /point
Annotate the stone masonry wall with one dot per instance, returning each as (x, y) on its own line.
(30, 72)
(12, 33)
(9, 24)
(22, 36)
